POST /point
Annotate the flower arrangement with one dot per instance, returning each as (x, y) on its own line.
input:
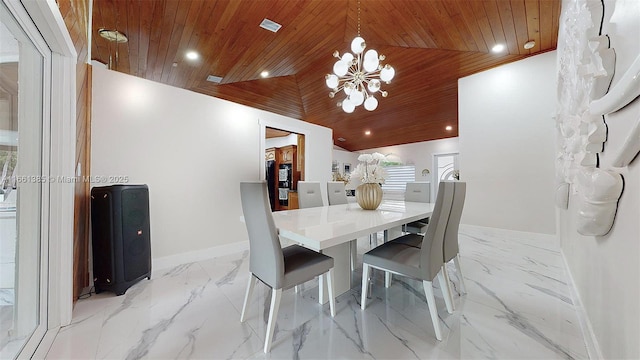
(337, 176)
(370, 170)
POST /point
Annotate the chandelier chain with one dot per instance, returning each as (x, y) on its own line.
(359, 75)
(358, 17)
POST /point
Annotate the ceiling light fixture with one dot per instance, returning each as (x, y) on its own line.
(449, 128)
(497, 48)
(367, 132)
(359, 75)
(529, 44)
(113, 35)
(264, 74)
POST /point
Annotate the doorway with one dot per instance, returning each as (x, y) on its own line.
(284, 167)
(446, 167)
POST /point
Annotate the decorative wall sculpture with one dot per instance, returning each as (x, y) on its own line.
(600, 191)
(630, 149)
(586, 69)
(562, 196)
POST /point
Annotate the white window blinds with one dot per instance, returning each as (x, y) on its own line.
(396, 182)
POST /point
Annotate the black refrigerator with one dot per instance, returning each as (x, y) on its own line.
(284, 183)
(271, 182)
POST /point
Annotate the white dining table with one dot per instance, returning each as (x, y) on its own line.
(330, 229)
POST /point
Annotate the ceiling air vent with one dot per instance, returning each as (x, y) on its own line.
(214, 79)
(270, 25)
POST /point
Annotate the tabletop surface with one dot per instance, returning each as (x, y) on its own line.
(322, 227)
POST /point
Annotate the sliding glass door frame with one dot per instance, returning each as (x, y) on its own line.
(44, 25)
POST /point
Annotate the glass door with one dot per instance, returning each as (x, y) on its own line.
(22, 187)
(446, 168)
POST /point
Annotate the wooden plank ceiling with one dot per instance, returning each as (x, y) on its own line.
(430, 43)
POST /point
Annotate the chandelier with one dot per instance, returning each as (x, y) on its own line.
(359, 75)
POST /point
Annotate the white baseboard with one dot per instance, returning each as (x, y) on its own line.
(198, 255)
(513, 233)
(591, 342)
(593, 348)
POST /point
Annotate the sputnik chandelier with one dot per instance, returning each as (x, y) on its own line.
(359, 75)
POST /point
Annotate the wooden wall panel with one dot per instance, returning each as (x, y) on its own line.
(76, 18)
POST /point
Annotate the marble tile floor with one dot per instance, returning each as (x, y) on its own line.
(517, 306)
(6, 318)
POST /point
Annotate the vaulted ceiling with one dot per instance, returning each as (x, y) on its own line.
(430, 43)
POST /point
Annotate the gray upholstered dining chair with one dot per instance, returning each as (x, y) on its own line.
(417, 192)
(278, 268)
(336, 193)
(309, 194)
(423, 263)
(451, 250)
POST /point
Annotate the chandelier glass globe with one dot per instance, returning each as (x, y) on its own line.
(359, 76)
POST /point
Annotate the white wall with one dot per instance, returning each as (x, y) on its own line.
(419, 154)
(507, 145)
(192, 150)
(346, 157)
(606, 269)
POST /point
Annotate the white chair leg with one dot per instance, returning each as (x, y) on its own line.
(431, 302)
(387, 279)
(445, 273)
(353, 249)
(446, 292)
(365, 287)
(252, 282)
(456, 260)
(273, 314)
(332, 299)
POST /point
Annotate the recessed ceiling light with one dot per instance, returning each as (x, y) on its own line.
(191, 55)
(367, 132)
(497, 48)
(449, 128)
(264, 74)
(529, 44)
(342, 139)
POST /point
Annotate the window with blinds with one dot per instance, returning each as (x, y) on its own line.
(396, 182)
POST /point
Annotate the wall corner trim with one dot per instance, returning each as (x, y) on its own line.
(590, 339)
